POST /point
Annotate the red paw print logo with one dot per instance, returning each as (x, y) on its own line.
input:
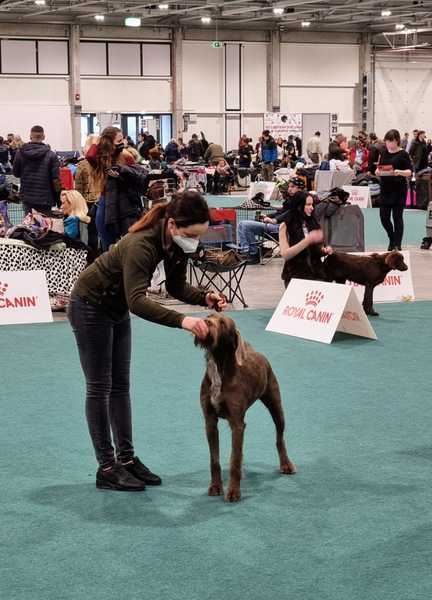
(3, 288)
(314, 298)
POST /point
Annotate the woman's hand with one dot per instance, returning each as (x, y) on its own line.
(216, 301)
(113, 173)
(269, 220)
(282, 228)
(327, 250)
(315, 236)
(197, 327)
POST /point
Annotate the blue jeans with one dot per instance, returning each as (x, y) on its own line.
(247, 232)
(106, 237)
(104, 347)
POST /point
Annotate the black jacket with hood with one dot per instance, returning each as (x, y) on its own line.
(38, 168)
(123, 196)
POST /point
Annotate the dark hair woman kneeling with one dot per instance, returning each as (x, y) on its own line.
(300, 239)
(105, 292)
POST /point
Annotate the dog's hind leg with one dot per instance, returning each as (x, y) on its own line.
(272, 400)
(216, 484)
(238, 427)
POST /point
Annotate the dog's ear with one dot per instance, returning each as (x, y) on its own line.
(392, 260)
(240, 353)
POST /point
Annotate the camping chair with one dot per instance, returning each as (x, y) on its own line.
(226, 279)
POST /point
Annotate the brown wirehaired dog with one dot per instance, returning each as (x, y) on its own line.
(369, 271)
(236, 376)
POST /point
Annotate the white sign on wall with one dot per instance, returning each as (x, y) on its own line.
(283, 124)
(396, 287)
(315, 310)
(268, 188)
(24, 298)
(359, 195)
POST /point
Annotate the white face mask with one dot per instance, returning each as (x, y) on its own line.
(188, 245)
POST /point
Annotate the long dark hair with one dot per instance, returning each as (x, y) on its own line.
(186, 208)
(296, 217)
(104, 158)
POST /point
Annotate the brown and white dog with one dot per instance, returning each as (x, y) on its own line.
(369, 271)
(236, 376)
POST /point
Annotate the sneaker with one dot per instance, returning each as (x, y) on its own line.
(117, 478)
(139, 471)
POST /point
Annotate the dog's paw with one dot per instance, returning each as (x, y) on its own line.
(215, 489)
(288, 469)
(233, 495)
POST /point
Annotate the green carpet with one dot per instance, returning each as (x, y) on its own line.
(375, 236)
(353, 524)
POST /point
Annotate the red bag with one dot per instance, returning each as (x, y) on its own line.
(66, 179)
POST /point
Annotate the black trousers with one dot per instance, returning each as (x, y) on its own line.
(394, 229)
(104, 347)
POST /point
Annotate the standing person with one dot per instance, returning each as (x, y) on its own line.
(245, 151)
(214, 153)
(14, 145)
(404, 141)
(414, 135)
(281, 152)
(359, 156)
(313, 148)
(102, 157)
(183, 148)
(172, 151)
(85, 185)
(298, 145)
(148, 142)
(268, 154)
(194, 149)
(300, 239)
(418, 152)
(394, 168)
(376, 146)
(39, 170)
(105, 292)
(4, 152)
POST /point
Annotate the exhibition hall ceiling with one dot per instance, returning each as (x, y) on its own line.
(335, 15)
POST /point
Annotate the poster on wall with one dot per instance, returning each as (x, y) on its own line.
(333, 124)
(283, 124)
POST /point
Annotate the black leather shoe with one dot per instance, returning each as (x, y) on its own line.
(141, 472)
(118, 479)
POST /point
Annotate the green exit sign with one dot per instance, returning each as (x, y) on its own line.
(216, 44)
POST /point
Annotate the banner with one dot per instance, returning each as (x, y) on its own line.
(315, 310)
(283, 124)
(24, 298)
(396, 287)
(359, 195)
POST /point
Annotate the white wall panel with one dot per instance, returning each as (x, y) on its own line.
(53, 57)
(319, 64)
(232, 132)
(37, 101)
(402, 96)
(156, 60)
(322, 100)
(254, 77)
(93, 58)
(18, 56)
(252, 127)
(213, 128)
(131, 95)
(124, 59)
(202, 77)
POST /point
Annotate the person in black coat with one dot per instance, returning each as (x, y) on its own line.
(147, 144)
(172, 152)
(419, 152)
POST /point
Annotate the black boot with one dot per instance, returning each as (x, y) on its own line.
(117, 478)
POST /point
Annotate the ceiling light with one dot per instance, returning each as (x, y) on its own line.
(305, 24)
(100, 17)
(132, 22)
(399, 26)
(386, 13)
(163, 6)
(40, 2)
(278, 11)
(206, 20)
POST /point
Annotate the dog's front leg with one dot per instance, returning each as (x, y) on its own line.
(216, 484)
(368, 301)
(237, 434)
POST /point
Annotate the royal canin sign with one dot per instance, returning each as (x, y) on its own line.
(309, 311)
(8, 301)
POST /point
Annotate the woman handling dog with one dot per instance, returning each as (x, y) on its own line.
(300, 239)
(105, 292)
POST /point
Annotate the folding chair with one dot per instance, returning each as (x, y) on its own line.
(225, 279)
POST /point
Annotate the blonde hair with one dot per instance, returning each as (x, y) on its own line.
(131, 152)
(17, 142)
(91, 139)
(78, 205)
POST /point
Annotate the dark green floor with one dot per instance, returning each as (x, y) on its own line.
(355, 523)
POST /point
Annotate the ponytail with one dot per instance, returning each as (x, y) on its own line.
(186, 208)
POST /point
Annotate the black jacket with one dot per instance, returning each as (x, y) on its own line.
(172, 152)
(148, 143)
(194, 151)
(39, 170)
(419, 155)
(123, 195)
(245, 156)
(282, 214)
(4, 154)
